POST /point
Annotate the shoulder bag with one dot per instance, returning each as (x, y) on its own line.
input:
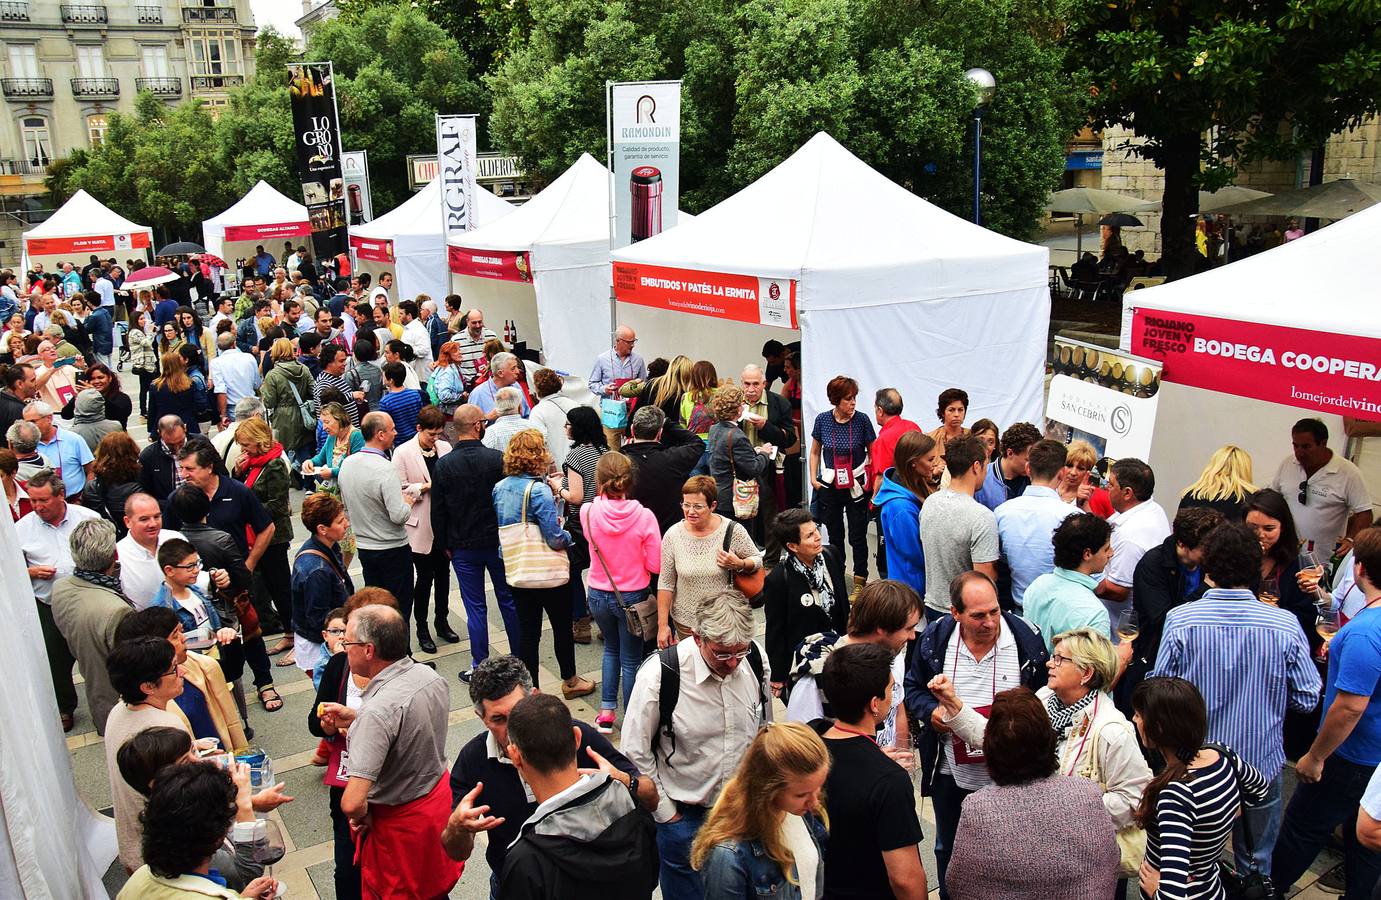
(640, 617)
(527, 559)
(745, 490)
(304, 409)
(1131, 841)
(1251, 884)
(750, 584)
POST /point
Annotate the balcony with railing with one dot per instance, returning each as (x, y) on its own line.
(160, 87)
(14, 11)
(215, 82)
(148, 15)
(209, 15)
(84, 14)
(27, 88)
(23, 167)
(95, 87)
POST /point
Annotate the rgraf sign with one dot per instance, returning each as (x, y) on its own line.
(720, 295)
(1336, 373)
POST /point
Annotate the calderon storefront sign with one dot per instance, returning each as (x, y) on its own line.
(1335, 373)
(719, 295)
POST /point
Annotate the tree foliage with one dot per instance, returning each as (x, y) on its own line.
(1214, 84)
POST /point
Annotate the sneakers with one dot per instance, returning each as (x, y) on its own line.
(575, 686)
(604, 722)
(465, 675)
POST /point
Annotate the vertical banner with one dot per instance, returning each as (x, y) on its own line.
(316, 125)
(1106, 397)
(645, 157)
(359, 205)
(456, 150)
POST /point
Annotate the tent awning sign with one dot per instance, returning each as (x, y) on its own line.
(89, 244)
(501, 265)
(266, 232)
(1334, 373)
(371, 249)
(719, 295)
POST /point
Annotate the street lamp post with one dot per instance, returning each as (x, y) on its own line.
(984, 86)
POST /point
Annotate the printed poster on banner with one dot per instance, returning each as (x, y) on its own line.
(1106, 397)
(500, 265)
(372, 249)
(719, 295)
(456, 149)
(645, 158)
(1316, 370)
(316, 125)
(139, 240)
(359, 205)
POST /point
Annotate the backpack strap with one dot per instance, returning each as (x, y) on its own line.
(669, 691)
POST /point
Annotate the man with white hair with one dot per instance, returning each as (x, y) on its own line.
(692, 749)
(235, 375)
(66, 452)
(246, 408)
(416, 336)
(766, 420)
(503, 372)
(508, 404)
(435, 325)
(615, 367)
(87, 607)
(23, 440)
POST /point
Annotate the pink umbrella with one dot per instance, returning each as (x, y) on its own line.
(148, 277)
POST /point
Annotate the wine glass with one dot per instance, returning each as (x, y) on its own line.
(1328, 624)
(1309, 564)
(1128, 625)
(268, 847)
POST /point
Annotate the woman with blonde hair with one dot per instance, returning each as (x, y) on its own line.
(1077, 486)
(765, 835)
(263, 467)
(732, 455)
(287, 385)
(524, 495)
(342, 439)
(174, 393)
(1224, 484)
(665, 391)
(695, 413)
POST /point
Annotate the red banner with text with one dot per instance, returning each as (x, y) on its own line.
(139, 240)
(371, 249)
(501, 265)
(267, 232)
(719, 295)
(1334, 373)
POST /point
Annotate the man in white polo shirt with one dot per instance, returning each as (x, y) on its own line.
(1325, 492)
(140, 573)
(1138, 524)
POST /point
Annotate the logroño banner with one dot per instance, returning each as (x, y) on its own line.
(644, 157)
(1335, 373)
(316, 125)
(1106, 397)
(359, 205)
(720, 295)
(456, 148)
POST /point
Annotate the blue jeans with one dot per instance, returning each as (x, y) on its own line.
(623, 650)
(679, 880)
(1264, 821)
(1315, 810)
(470, 566)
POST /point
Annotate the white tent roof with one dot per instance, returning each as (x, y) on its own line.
(1336, 268)
(84, 215)
(573, 208)
(420, 214)
(263, 205)
(860, 237)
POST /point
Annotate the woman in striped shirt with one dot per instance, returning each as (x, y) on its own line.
(1188, 810)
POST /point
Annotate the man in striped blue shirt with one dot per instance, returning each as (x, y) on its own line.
(1334, 774)
(1251, 662)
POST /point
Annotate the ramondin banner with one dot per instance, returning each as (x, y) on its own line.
(645, 157)
(316, 125)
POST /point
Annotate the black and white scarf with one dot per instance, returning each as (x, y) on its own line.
(101, 579)
(818, 579)
(1061, 716)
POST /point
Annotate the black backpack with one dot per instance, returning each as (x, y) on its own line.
(670, 692)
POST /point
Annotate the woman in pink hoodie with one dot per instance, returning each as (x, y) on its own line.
(625, 552)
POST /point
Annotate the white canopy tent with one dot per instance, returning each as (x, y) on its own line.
(263, 216)
(408, 241)
(81, 227)
(1312, 297)
(882, 285)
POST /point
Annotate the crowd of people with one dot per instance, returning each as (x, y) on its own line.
(1090, 692)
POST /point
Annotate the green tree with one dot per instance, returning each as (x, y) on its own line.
(1214, 84)
(486, 30)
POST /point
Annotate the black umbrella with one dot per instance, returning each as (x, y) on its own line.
(1120, 220)
(181, 248)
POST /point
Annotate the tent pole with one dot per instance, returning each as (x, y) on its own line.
(1078, 236)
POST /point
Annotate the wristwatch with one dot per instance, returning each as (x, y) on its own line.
(633, 786)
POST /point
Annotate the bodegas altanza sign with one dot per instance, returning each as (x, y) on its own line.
(1336, 373)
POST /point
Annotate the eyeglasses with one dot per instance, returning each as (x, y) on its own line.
(694, 507)
(1057, 660)
(193, 566)
(172, 671)
(1304, 492)
(726, 657)
(335, 631)
(355, 643)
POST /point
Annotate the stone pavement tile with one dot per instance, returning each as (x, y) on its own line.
(308, 818)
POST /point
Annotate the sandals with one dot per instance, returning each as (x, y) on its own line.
(269, 697)
(288, 660)
(281, 647)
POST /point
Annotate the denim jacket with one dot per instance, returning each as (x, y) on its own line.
(508, 506)
(742, 869)
(316, 588)
(164, 598)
